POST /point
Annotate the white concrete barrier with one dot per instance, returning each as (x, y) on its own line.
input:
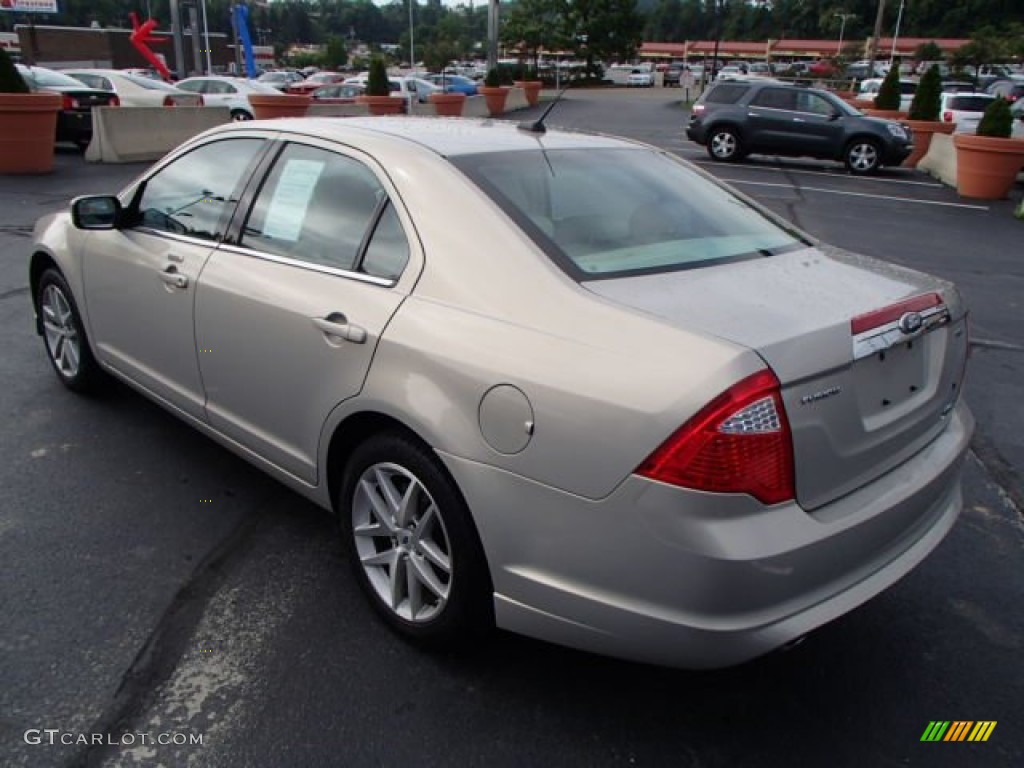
(337, 110)
(135, 134)
(940, 159)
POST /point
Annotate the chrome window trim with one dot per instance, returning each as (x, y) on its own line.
(187, 239)
(335, 271)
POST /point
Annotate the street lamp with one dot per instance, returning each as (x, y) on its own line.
(899, 18)
(842, 28)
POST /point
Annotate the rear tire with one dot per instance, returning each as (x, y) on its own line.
(240, 115)
(412, 543)
(724, 145)
(862, 156)
(67, 346)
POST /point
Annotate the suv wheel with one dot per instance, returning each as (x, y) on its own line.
(862, 156)
(724, 145)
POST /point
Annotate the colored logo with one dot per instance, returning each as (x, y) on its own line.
(958, 730)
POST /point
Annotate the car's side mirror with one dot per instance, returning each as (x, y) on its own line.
(96, 212)
(835, 115)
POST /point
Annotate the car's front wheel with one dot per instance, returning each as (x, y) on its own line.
(67, 346)
(863, 156)
(724, 145)
(412, 543)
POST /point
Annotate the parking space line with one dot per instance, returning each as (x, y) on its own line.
(857, 194)
(826, 174)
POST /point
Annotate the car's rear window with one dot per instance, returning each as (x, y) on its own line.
(725, 94)
(617, 212)
(970, 103)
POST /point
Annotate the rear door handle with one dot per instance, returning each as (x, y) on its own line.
(338, 326)
(172, 276)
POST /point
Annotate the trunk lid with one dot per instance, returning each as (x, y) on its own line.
(861, 394)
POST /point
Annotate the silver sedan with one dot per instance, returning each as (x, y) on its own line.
(614, 404)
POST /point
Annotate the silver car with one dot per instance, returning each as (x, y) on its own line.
(615, 405)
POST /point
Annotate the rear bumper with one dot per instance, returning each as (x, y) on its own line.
(74, 125)
(664, 575)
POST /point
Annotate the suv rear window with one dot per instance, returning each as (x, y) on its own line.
(725, 93)
(970, 103)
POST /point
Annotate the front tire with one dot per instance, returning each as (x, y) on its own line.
(412, 543)
(724, 145)
(862, 156)
(67, 346)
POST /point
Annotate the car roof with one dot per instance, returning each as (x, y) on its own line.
(446, 137)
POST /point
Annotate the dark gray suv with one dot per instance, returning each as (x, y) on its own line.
(735, 118)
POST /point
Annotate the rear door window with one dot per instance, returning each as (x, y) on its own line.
(969, 103)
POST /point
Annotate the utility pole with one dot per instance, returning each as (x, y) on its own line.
(873, 48)
(492, 34)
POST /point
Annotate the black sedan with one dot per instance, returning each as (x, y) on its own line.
(74, 123)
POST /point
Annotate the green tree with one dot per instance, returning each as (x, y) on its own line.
(606, 30)
(997, 120)
(377, 80)
(535, 25)
(10, 80)
(336, 55)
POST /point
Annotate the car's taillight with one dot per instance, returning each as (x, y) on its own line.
(740, 442)
(68, 103)
(169, 101)
(201, 102)
(947, 116)
(114, 102)
(698, 109)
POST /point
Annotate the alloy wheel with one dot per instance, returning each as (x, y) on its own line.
(62, 339)
(401, 542)
(862, 157)
(724, 145)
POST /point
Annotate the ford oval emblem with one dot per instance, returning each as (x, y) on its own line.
(911, 322)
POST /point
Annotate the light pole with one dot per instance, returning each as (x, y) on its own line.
(899, 18)
(412, 42)
(206, 39)
(842, 28)
(873, 48)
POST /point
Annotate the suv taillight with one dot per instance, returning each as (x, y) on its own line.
(947, 116)
(698, 108)
(740, 442)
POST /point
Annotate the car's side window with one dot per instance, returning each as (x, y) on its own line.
(90, 80)
(194, 195)
(775, 98)
(388, 251)
(316, 206)
(813, 103)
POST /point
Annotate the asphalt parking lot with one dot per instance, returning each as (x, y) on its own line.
(128, 607)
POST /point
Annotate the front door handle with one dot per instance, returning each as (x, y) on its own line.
(798, 120)
(338, 326)
(172, 276)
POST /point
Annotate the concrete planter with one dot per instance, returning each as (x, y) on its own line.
(383, 105)
(987, 166)
(28, 130)
(923, 132)
(495, 98)
(888, 114)
(266, 106)
(448, 104)
(532, 89)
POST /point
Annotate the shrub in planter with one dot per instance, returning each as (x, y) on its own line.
(530, 84)
(888, 97)
(493, 92)
(378, 96)
(987, 164)
(28, 123)
(924, 116)
(377, 79)
(928, 97)
(997, 120)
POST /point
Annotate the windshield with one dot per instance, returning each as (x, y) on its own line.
(47, 78)
(617, 212)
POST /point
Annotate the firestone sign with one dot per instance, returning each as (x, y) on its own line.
(28, 6)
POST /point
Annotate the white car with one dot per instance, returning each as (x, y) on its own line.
(870, 87)
(1017, 110)
(640, 78)
(409, 88)
(728, 71)
(135, 90)
(964, 109)
(230, 92)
